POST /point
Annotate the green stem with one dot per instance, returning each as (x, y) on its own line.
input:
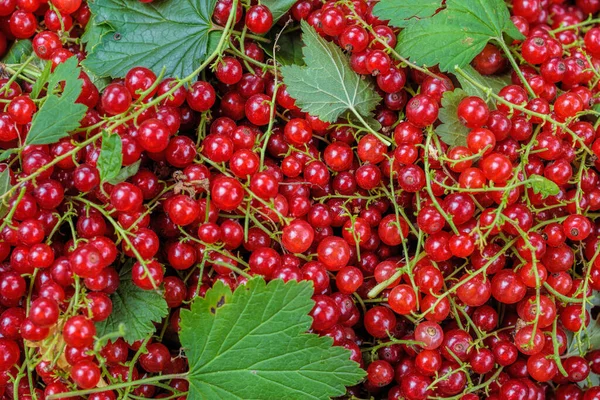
(544, 117)
(515, 66)
(116, 386)
(392, 342)
(473, 389)
(589, 21)
(379, 136)
(124, 235)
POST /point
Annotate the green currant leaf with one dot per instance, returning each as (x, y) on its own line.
(288, 50)
(400, 13)
(589, 337)
(494, 82)
(455, 35)
(7, 153)
(93, 34)
(99, 82)
(19, 49)
(327, 87)
(125, 173)
(59, 114)
(41, 81)
(542, 185)
(451, 130)
(252, 344)
(152, 35)
(135, 308)
(5, 187)
(591, 381)
(5, 182)
(111, 156)
(278, 7)
(593, 334)
(370, 121)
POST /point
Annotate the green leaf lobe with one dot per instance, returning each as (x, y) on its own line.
(251, 344)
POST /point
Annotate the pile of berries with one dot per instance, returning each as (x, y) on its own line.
(441, 267)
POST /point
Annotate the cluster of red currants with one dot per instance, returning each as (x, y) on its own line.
(439, 267)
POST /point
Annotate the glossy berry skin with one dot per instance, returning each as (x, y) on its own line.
(259, 19)
(9, 354)
(264, 261)
(577, 227)
(8, 129)
(22, 24)
(33, 332)
(116, 99)
(577, 368)
(377, 62)
(325, 313)
(489, 61)
(298, 236)
(349, 279)
(457, 343)
(67, 6)
(439, 261)
(153, 135)
(201, 96)
(528, 341)
(567, 105)
(79, 332)
(513, 389)
(45, 43)
(139, 80)
(541, 368)
(156, 358)
(482, 361)
(535, 50)
(416, 386)
(354, 39)
(475, 290)
(298, 131)
(430, 333)
(379, 321)
(496, 167)
(421, 111)
(183, 210)
(87, 261)
(380, 373)
(147, 277)
(508, 287)
(473, 112)
(227, 193)
(12, 285)
(258, 109)
(85, 374)
(402, 299)
(334, 253)
(44, 312)
(126, 197)
(229, 71)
